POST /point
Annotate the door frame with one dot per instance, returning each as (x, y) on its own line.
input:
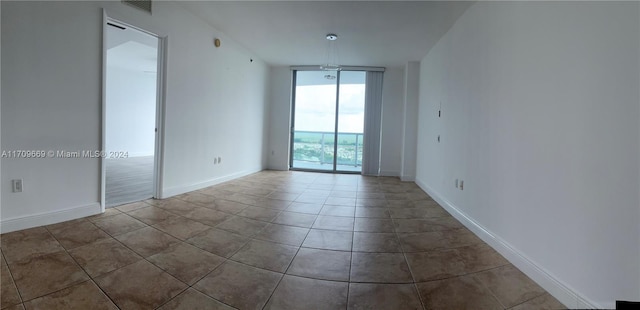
(161, 85)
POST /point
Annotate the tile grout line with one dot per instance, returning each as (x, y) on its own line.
(226, 259)
(12, 278)
(406, 260)
(353, 233)
(287, 269)
(487, 288)
(79, 266)
(289, 265)
(527, 300)
(92, 279)
(253, 237)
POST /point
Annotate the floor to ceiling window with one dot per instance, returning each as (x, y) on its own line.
(328, 120)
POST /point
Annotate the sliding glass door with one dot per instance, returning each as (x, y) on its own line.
(328, 120)
(350, 121)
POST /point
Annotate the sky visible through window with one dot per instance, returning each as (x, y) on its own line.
(316, 105)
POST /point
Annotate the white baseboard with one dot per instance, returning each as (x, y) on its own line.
(47, 218)
(278, 167)
(552, 284)
(177, 190)
(389, 173)
(408, 178)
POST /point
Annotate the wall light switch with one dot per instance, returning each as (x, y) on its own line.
(456, 183)
(461, 185)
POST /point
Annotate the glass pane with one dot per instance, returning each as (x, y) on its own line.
(351, 120)
(314, 120)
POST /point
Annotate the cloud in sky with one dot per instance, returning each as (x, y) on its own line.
(316, 104)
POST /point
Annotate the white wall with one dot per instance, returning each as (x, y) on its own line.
(49, 79)
(131, 111)
(1, 122)
(392, 121)
(280, 117)
(540, 108)
(51, 68)
(410, 121)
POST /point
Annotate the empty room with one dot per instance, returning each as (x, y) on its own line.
(320, 155)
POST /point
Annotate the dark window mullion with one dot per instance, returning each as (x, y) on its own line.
(335, 135)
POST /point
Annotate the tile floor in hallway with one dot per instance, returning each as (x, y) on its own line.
(271, 240)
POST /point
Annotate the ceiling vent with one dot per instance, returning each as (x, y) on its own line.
(144, 5)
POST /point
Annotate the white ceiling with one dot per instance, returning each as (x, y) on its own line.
(132, 50)
(117, 36)
(133, 56)
(371, 33)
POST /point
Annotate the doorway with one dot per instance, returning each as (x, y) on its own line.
(328, 121)
(130, 113)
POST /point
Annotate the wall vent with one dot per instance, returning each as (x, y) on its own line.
(144, 5)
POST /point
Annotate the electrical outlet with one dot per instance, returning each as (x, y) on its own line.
(461, 185)
(17, 185)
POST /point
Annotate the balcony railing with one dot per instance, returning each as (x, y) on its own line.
(317, 147)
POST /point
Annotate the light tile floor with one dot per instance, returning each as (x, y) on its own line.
(272, 240)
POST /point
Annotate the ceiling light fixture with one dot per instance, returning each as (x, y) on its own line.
(332, 54)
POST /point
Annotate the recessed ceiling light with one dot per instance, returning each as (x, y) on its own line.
(332, 37)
